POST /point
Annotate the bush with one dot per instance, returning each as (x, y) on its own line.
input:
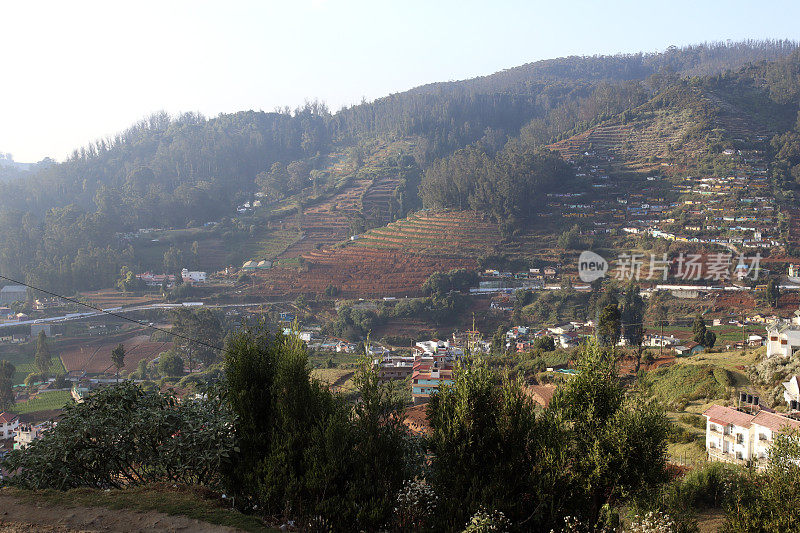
(137, 437)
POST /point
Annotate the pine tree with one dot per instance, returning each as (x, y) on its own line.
(42, 357)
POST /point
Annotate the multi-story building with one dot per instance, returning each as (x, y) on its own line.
(427, 377)
(394, 366)
(8, 424)
(783, 338)
(735, 436)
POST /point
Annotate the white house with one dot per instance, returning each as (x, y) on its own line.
(734, 436)
(8, 425)
(792, 393)
(193, 276)
(26, 434)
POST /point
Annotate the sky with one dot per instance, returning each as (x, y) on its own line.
(74, 72)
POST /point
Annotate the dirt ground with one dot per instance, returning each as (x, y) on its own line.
(17, 516)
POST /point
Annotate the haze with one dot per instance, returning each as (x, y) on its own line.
(74, 74)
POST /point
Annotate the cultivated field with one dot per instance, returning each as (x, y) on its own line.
(390, 261)
(94, 356)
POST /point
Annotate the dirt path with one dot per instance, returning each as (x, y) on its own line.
(19, 516)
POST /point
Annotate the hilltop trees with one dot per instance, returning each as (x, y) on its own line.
(507, 185)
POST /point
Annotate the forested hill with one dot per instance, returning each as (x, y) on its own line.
(187, 170)
(693, 60)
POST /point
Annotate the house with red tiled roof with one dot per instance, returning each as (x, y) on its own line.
(735, 436)
(8, 425)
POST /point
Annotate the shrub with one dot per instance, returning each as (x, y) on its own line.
(137, 437)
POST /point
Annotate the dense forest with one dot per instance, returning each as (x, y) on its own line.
(482, 142)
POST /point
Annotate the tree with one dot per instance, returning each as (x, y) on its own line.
(769, 500)
(607, 429)
(699, 330)
(6, 384)
(609, 325)
(118, 358)
(773, 293)
(710, 339)
(545, 344)
(301, 450)
(42, 355)
(197, 333)
(488, 450)
(137, 437)
(632, 317)
(170, 364)
(173, 260)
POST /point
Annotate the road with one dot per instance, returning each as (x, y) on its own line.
(124, 310)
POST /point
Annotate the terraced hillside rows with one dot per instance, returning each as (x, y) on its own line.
(329, 222)
(656, 131)
(391, 261)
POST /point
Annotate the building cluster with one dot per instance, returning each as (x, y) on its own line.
(522, 338)
(743, 436)
(22, 434)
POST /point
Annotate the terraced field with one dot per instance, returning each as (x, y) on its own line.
(391, 261)
(94, 356)
(329, 222)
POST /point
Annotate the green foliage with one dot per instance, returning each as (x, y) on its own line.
(205, 330)
(489, 450)
(616, 441)
(441, 283)
(769, 501)
(699, 329)
(508, 185)
(302, 451)
(437, 309)
(570, 239)
(6, 384)
(42, 356)
(118, 357)
(124, 436)
(545, 344)
(609, 325)
(683, 383)
(170, 364)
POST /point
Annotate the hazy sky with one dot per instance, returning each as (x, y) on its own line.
(76, 71)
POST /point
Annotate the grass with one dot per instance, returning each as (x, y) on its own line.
(684, 383)
(273, 243)
(193, 502)
(44, 401)
(21, 356)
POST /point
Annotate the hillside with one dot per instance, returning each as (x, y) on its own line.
(680, 124)
(390, 261)
(321, 177)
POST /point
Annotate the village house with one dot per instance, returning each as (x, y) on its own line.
(735, 436)
(690, 348)
(783, 338)
(427, 377)
(27, 433)
(8, 425)
(190, 276)
(391, 367)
